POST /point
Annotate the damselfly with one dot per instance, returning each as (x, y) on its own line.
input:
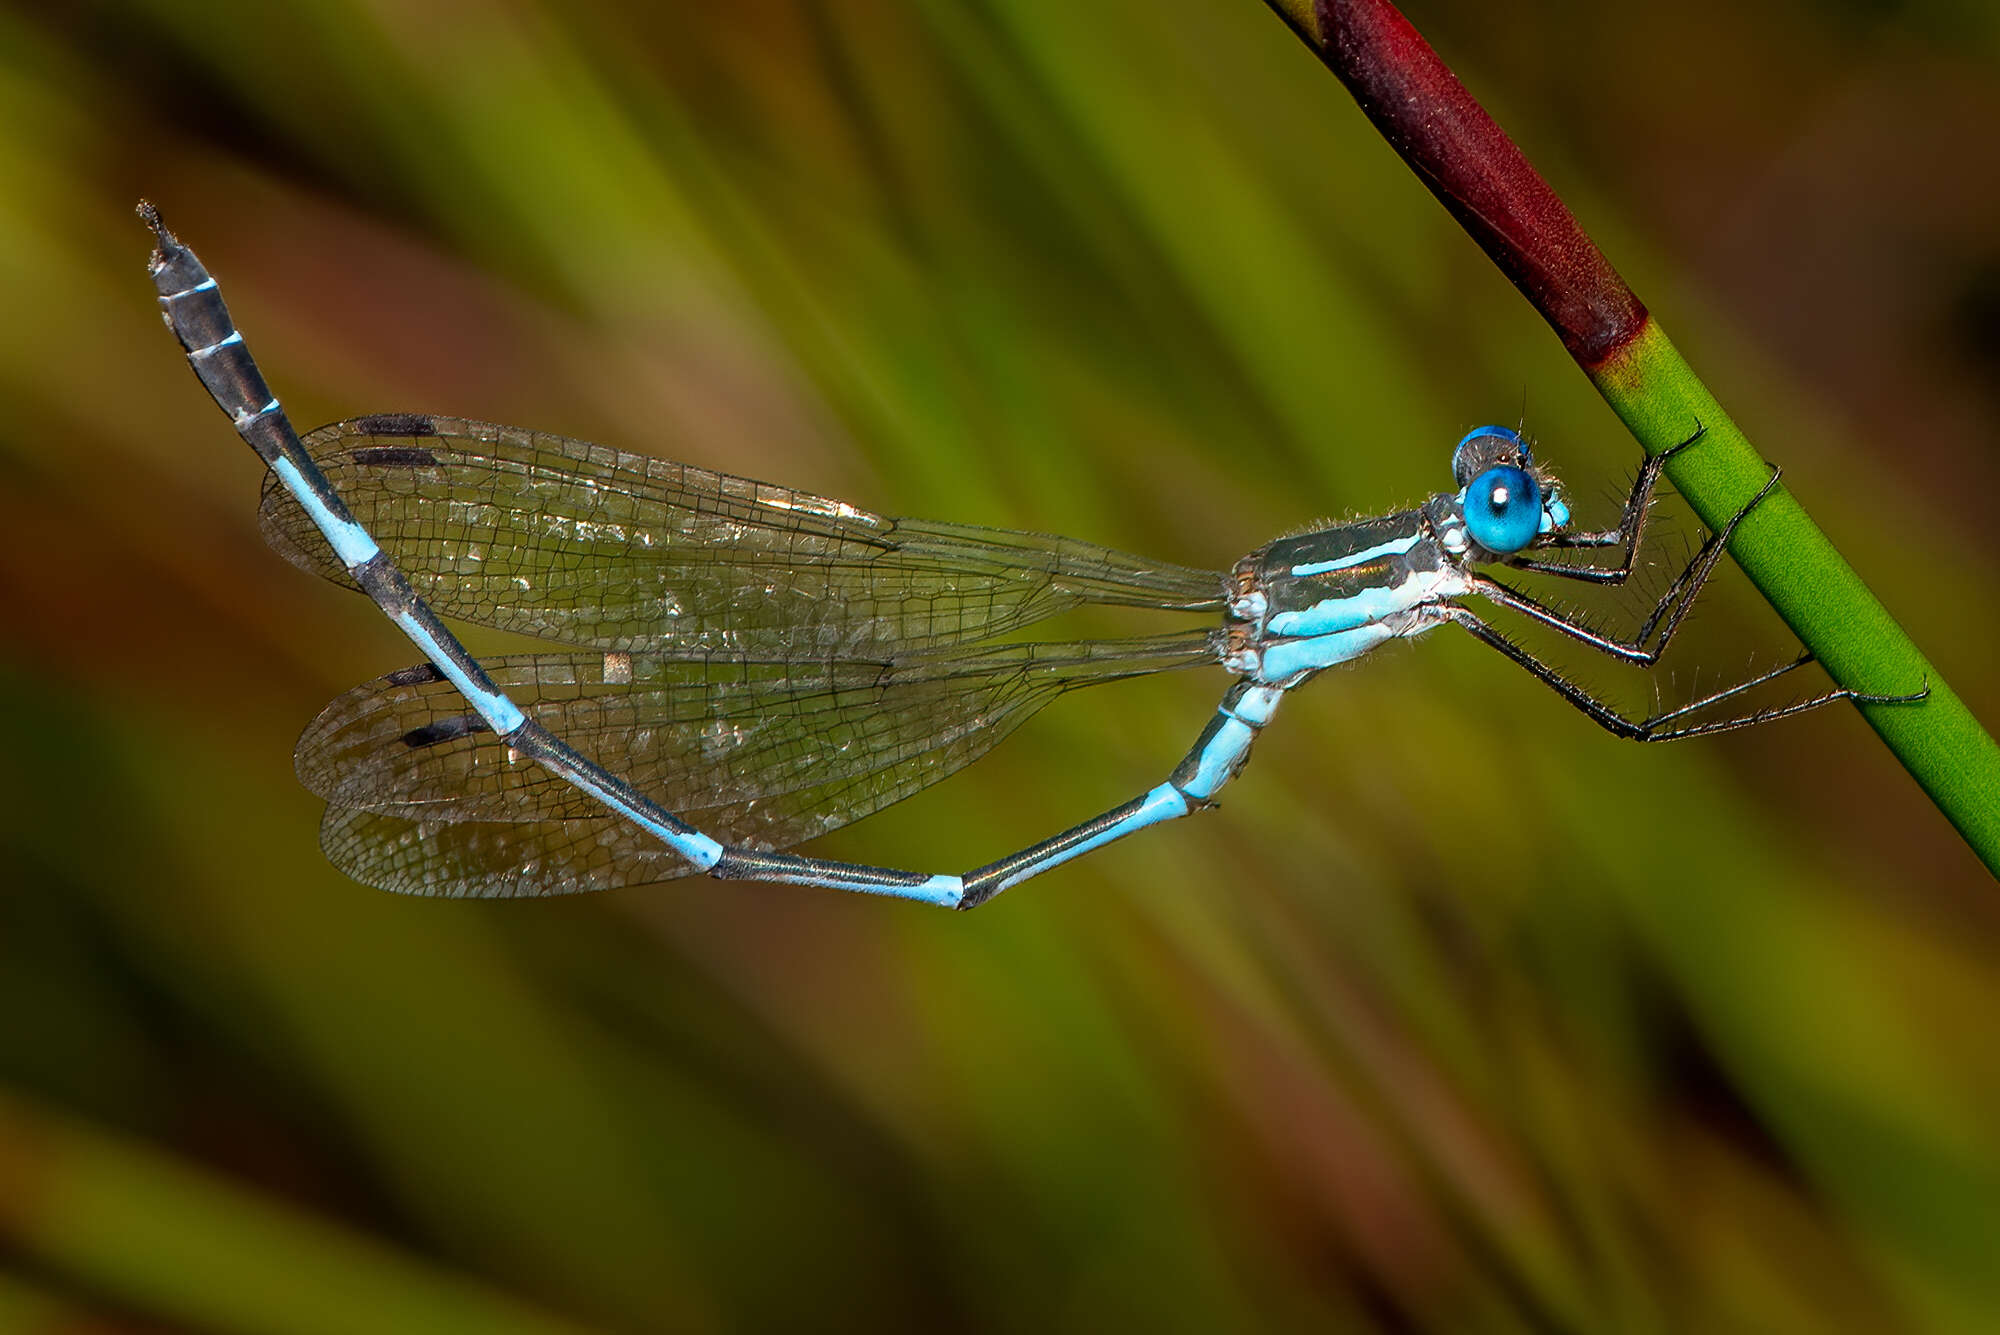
(751, 666)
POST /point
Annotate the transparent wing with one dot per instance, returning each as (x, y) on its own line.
(492, 860)
(587, 545)
(424, 800)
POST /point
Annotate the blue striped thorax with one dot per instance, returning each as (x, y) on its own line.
(1304, 603)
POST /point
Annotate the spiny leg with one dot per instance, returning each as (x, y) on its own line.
(1671, 610)
(1653, 728)
(1629, 533)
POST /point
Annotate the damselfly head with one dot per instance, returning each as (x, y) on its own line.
(1506, 501)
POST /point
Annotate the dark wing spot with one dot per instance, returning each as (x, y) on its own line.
(389, 456)
(444, 730)
(396, 424)
(423, 674)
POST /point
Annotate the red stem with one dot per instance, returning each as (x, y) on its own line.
(1476, 171)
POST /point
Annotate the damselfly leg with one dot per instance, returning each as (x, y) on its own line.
(1628, 535)
(1666, 617)
(1655, 727)
(1671, 609)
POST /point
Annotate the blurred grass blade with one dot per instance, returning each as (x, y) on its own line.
(179, 1244)
(1469, 163)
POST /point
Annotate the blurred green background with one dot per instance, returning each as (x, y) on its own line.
(1460, 1016)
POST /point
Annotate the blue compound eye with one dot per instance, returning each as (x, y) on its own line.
(1482, 447)
(1503, 509)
